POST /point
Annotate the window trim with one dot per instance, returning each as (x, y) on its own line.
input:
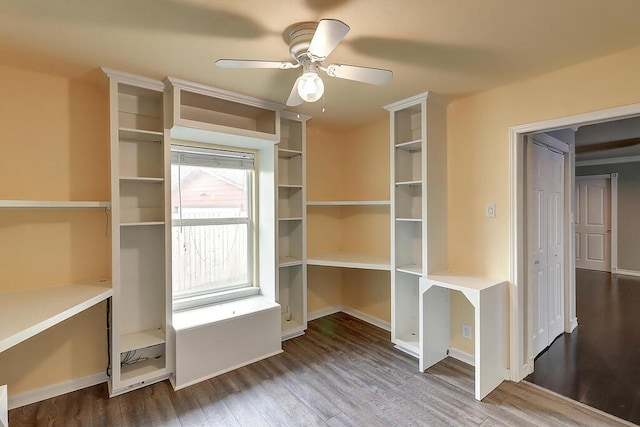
(250, 288)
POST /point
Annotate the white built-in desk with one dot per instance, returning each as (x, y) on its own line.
(489, 299)
(25, 313)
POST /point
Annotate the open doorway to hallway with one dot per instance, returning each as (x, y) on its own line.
(598, 363)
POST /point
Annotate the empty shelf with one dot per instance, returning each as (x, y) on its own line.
(349, 203)
(47, 204)
(350, 260)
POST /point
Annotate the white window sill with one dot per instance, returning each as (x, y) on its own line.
(212, 299)
(221, 312)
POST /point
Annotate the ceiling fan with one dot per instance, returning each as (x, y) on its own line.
(310, 43)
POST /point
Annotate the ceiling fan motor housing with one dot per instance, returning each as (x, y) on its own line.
(300, 36)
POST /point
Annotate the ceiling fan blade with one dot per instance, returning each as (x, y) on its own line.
(374, 76)
(329, 33)
(294, 97)
(248, 63)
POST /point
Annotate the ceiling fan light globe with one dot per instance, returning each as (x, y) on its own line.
(310, 86)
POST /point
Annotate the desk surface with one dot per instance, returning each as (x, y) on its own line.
(24, 313)
(462, 281)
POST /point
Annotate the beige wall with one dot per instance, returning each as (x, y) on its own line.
(478, 149)
(54, 140)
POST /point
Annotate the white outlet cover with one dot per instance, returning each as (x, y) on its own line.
(491, 210)
(466, 332)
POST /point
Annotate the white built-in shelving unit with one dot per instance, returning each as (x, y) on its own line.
(418, 208)
(141, 294)
(291, 274)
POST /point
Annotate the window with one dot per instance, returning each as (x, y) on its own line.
(212, 224)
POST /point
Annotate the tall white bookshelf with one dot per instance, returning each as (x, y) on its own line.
(141, 297)
(418, 208)
(291, 218)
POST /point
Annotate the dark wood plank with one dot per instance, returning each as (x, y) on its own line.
(598, 364)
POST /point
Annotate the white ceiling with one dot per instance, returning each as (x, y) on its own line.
(452, 47)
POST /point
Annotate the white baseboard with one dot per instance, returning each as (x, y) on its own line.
(352, 312)
(367, 318)
(628, 272)
(573, 324)
(37, 395)
(462, 356)
(324, 312)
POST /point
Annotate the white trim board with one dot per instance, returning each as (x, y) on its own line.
(517, 236)
(50, 391)
(626, 272)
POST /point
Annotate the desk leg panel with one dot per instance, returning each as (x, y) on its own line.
(435, 333)
(491, 335)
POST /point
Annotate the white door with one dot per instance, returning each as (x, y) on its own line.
(555, 254)
(593, 223)
(545, 216)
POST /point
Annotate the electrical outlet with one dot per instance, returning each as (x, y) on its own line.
(466, 331)
(491, 210)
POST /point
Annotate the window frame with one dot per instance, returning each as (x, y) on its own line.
(212, 296)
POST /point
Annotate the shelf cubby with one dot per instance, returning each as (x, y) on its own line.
(408, 201)
(408, 165)
(290, 203)
(142, 371)
(290, 170)
(142, 339)
(406, 312)
(139, 109)
(408, 243)
(141, 202)
(203, 108)
(290, 135)
(140, 159)
(291, 298)
(207, 114)
(290, 240)
(408, 124)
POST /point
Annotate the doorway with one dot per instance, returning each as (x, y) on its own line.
(521, 345)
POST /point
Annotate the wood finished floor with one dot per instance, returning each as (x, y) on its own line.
(599, 362)
(342, 372)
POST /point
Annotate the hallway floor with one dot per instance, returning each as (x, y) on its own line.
(599, 363)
